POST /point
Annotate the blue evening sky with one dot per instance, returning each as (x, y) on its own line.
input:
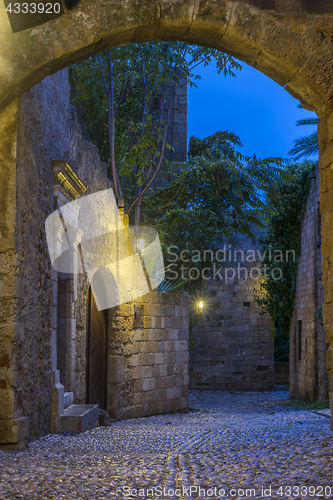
(251, 105)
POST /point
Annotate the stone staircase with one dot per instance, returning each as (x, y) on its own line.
(324, 412)
(68, 399)
(69, 417)
(79, 418)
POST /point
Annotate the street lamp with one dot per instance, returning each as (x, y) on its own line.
(140, 244)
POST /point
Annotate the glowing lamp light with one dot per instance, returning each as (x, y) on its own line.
(141, 244)
(201, 305)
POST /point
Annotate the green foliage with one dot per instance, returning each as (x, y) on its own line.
(284, 234)
(215, 196)
(318, 405)
(167, 286)
(89, 96)
(305, 146)
(281, 347)
(138, 130)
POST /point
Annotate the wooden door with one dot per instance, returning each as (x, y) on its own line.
(96, 353)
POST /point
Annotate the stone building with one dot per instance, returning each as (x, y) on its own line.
(290, 42)
(133, 359)
(308, 377)
(177, 131)
(232, 339)
(233, 345)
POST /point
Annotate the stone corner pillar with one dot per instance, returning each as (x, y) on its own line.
(12, 430)
(325, 141)
(57, 401)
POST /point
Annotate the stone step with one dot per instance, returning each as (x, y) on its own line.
(68, 399)
(79, 418)
(324, 413)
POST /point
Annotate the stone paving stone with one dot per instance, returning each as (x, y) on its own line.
(241, 441)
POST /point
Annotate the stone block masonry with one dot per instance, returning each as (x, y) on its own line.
(294, 50)
(148, 357)
(307, 364)
(43, 319)
(281, 373)
(233, 345)
(325, 140)
(47, 129)
(13, 421)
(177, 133)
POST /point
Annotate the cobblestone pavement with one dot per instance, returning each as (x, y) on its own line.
(231, 445)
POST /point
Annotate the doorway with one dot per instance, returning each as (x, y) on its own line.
(97, 327)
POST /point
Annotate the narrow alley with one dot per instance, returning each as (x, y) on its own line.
(229, 445)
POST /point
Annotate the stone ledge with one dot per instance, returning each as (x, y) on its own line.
(78, 418)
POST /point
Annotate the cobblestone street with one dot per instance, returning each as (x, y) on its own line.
(231, 445)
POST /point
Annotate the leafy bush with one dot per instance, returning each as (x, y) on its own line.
(284, 234)
(215, 197)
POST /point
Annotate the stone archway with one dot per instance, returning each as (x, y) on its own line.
(291, 45)
(292, 48)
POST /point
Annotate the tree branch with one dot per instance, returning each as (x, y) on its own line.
(143, 118)
(129, 90)
(111, 125)
(160, 116)
(161, 157)
(103, 77)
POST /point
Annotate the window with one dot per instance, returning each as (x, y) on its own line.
(318, 226)
(299, 340)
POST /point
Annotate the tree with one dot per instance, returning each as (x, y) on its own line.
(115, 93)
(305, 146)
(284, 234)
(216, 195)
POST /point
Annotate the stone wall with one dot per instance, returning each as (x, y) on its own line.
(147, 367)
(34, 305)
(13, 421)
(308, 375)
(148, 357)
(293, 6)
(233, 344)
(281, 373)
(325, 140)
(47, 130)
(177, 134)
(294, 50)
